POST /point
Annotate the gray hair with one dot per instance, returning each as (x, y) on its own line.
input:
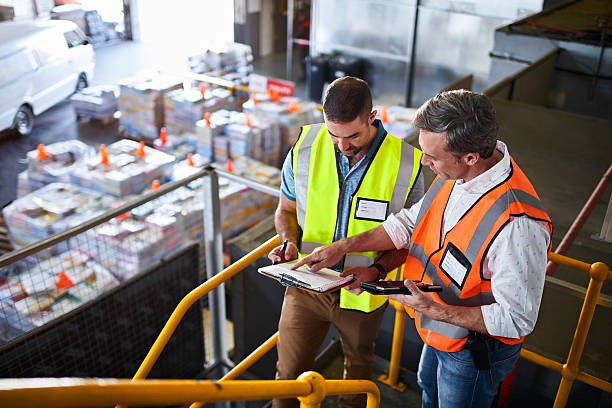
(467, 117)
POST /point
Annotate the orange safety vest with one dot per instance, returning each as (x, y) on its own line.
(456, 262)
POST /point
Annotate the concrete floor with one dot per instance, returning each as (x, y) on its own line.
(564, 154)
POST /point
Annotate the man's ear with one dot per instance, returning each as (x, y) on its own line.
(372, 116)
(471, 158)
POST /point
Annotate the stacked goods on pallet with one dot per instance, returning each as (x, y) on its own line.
(184, 107)
(211, 127)
(255, 170)
(141, 102)
(51, 209)
(127, 246)
(5, 242)
(95, 27)
(288, 112)
(254, 137)
(177, 145)
(233, 58)
(51, 163)
(236, 217)
(34, 293)
(397, 120)
(99, 102)
(123, 168)
(229, 135)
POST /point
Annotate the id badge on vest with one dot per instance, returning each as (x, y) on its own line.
(455, 265)
(371, 210)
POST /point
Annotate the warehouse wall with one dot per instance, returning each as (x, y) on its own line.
(266, 31)
(194, 25)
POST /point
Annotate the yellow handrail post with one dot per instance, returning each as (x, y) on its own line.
(392, 377)
(317, 392)
(321, 388)
(599, 272)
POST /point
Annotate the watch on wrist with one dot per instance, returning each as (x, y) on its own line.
(382, 273)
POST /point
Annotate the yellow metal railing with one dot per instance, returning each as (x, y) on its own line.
(391, 378)
(570, 371)
(195, 295)
(310, 388)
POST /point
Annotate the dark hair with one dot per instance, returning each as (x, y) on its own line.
(347, 98)
(467, 117)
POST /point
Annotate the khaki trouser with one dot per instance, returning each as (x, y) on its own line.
(304, 322)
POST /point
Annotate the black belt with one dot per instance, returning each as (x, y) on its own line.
(480, 345)
(492, 343)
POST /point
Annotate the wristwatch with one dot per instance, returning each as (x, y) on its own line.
(382, 273)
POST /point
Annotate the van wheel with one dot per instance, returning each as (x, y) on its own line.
(82, 83)
(24, 121)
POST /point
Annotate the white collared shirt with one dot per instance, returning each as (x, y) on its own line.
(515, 262)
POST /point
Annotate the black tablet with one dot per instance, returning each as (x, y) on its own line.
(396, 287)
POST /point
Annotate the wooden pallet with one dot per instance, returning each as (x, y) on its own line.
(97, 121)
(124, 134)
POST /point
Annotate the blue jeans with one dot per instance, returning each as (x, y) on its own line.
(450, 380)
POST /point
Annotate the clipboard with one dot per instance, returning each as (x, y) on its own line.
(324, 281)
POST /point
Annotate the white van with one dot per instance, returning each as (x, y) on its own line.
(41, 64)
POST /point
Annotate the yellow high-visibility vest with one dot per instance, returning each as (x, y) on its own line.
(382, 190)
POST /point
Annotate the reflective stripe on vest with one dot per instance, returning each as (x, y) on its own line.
(389, 178)
(514, 197)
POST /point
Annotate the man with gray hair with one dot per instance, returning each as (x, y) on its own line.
(482, 234)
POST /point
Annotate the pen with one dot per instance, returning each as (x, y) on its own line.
(281, 252)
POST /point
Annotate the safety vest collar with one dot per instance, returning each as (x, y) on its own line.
(300, 167)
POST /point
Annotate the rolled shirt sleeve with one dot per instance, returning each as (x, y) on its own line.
(287, 181)
(516, 264)
(399, 226)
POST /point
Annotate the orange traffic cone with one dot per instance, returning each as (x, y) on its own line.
(247, 120)
(122, 217)
(190, 160)
(203, 90)
(274, 95)
(103, 155)
(384, 114)
(207, 118)
(140, 151)
(229, 165)
(254, 98)
(155, 185)
(163, 136)
(63, 281)
(294, 107)
(41, 152)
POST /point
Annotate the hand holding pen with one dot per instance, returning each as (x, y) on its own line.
(283, 253)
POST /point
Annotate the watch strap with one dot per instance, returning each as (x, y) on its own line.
(382, 272)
